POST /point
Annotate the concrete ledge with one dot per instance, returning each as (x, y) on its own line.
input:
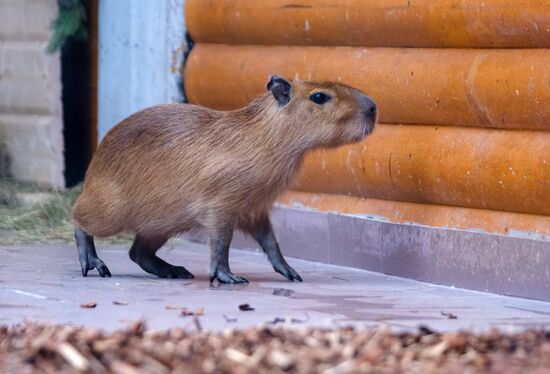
(35, 148)
(473, 260)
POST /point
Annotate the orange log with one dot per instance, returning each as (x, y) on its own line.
(495, 222)
(478, 168)
(372, 23)
(462, 87)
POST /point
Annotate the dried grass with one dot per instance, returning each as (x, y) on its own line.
(47, 220)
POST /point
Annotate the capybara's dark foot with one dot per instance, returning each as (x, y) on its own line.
(287, 271)
(226, 276)
(143, 253)
(219, 257)
(162, 269)
(95, 263)
(176, 272)
(87, 255)
(157, 266)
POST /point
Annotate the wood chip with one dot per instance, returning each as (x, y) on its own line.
(449, 315)
(175, 307)
(246, 308)
(281, 359)
(186, 312)
(33, 347)
(282, 292)
(91, 304)
(229, 319)
(73, 357)
(197, 323)
(436, 350)
(236, 355)
(425, 330)
(119, 367)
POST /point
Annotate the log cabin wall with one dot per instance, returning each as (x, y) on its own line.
(463, 89)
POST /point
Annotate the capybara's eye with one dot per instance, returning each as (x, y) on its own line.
(319, 98)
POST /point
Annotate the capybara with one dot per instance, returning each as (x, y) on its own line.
(173, 168)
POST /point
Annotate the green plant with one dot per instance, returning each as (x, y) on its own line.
(69, 23)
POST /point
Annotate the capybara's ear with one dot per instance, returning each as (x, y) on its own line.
(280, 89)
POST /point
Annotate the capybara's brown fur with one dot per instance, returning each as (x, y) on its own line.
(176, 167)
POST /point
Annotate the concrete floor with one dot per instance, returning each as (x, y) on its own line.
(43, 283)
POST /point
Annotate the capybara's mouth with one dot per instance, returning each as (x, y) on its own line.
(368, 128)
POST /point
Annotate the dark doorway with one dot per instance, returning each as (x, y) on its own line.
(76, 110)
(79, 81)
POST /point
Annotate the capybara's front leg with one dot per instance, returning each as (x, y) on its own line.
(220, 239)
(87, 254)
(264, 235)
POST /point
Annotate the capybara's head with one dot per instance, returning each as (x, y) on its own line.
(328, 114)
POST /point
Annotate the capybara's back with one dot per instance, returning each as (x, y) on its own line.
(175, 167)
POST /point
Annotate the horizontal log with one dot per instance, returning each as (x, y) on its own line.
(490, 221)
(461, 87)
(372, 23)
(477, 168)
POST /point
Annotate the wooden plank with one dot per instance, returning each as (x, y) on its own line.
(372, 23)
(460, 87)
(477, 168)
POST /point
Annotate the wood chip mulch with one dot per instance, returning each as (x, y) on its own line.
(53, 348)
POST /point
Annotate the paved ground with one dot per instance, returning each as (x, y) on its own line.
(43, 283)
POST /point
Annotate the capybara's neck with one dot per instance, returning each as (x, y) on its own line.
(264, 119)
(276, 145)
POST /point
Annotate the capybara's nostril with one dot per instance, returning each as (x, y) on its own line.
(373, 110)
(370, 112)
(369, 107)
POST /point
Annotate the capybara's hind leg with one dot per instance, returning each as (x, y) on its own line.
(143, 253)
(87, 254)
(263, 233)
